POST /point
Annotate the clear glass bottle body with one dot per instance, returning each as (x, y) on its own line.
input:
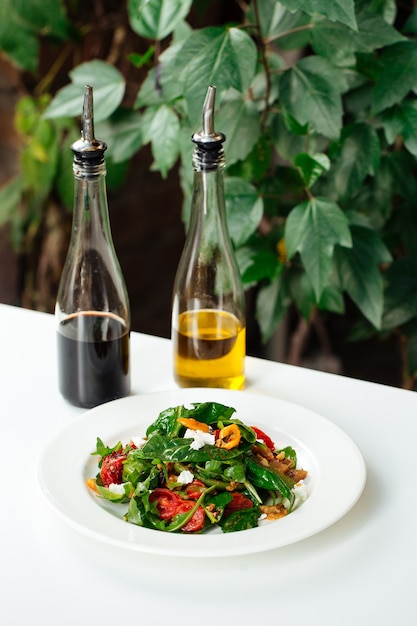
(208, 311)
(92, 308)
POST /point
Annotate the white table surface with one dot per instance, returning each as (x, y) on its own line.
(362, 570)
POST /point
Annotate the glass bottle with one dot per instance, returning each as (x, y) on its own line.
(92, 308)
(208, 308)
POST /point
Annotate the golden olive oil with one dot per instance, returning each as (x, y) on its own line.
(209, 349)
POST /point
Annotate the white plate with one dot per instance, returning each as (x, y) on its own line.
(336, 472)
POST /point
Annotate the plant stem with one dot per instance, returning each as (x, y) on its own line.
(291, 31)
(265, 63)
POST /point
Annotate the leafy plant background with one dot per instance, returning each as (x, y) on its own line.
(318, 103)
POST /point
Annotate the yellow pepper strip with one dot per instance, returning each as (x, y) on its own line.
(193, 424)
(229, 437)
(91, 483)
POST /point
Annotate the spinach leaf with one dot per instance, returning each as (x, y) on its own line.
(141, 513)
(209, 412)
(220, 500)
(135, 469)
(264, 477)
(178, 449)
(235, 472)
(241, 520)
(166, 423)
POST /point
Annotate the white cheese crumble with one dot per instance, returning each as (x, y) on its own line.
(185, 478)
(300, 495)
(116, 488)
(199, 438)
(300, 492)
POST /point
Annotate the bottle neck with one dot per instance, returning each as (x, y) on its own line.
(90, 219)
(207, 159)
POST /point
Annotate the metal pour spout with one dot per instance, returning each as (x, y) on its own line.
(208, 137)
(88, 146)
(87, 131)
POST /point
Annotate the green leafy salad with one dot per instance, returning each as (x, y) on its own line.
(197, 468)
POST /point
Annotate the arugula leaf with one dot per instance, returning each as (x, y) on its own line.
(103, 450)
(290, 453)
(116, 497)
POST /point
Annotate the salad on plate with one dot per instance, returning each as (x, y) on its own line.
(200, 467)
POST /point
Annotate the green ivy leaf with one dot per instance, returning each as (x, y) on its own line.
(108, 91)
(397, 75)
(161, 127)
(156, 19)
(44, 16)
(287, 143)
(411, 24)
(123, 134)
(162, 84)
(64, 180)
(313, 228)
(21, 21)
(337, 11)
(257, 264)
(401, 293)
(10, 198)
(240, 123)
(332, 300)
(139, 60)
(338, 43)
(301, 291)
(244, 209)
(256, 165)
(311, 166)
(402, 120)
(275, 20)
(207, 57)
(359, 273)
(40, 158)
(311, 93)
(359, 156)
(271, 305)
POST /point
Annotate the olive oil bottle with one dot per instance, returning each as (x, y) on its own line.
(208, 308)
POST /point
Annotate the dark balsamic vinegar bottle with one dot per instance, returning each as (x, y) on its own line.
(208, 308)
(92, 307)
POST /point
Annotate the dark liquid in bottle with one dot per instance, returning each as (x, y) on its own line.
(93, 358)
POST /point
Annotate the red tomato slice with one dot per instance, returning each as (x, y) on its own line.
(167, 502)
(195, 489)
(170, 504)
(264, 437)
(112, 468)
(238, 503)
(197, 520)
